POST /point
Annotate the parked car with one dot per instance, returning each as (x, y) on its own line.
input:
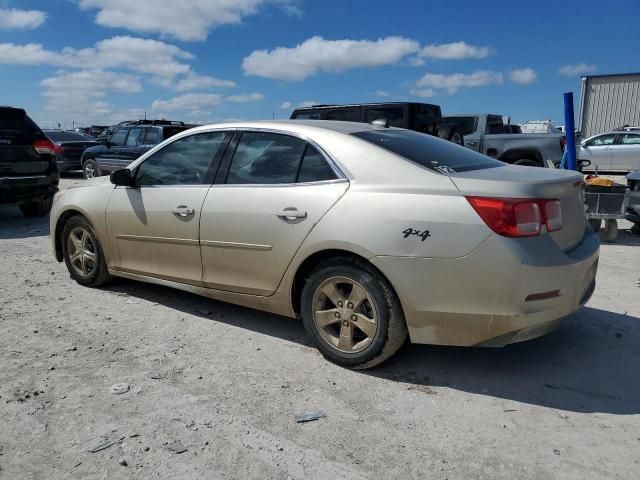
(391, 233)
(616, 151)
(421, 117)
(128, 141)
(28, 173)
(539, 126)
(69, 147)
(485, 133)
(633, 205)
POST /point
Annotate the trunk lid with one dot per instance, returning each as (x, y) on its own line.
(17, 156)
(530, 182)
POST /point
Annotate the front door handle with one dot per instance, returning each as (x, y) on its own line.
(291, 213)
(183, 211)
(472, 143)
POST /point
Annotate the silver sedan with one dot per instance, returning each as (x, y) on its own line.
(368, 234)
(617, 151)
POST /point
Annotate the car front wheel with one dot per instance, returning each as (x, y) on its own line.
(91, 169)
(352, 314)
(83, 254)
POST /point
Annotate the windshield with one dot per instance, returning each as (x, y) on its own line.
(427, 151)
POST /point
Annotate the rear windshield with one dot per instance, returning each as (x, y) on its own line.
(68, 137)
(11, 119)
(427, 151)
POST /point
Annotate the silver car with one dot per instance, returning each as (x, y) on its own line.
(617, 151)
(368, 234)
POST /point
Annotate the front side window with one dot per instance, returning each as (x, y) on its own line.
(266, 158)
(393, 115)
(183, 162)
(132, 138)
(118, 137)
(601, 140)
(631, 139)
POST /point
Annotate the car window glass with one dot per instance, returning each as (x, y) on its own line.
(11, 119)
(601, 140)
(314, 167)
(132, 138)
(466, 125)
(151, 137)
(265, 158)
(394, 115)
(118, 137)
(425, 119)
(631, 139)
(183, 162)
(443, 157)
(307, 116)
(68, 137)
(495, 126)
(344, 114)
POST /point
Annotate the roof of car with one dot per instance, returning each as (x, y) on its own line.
(298, 125)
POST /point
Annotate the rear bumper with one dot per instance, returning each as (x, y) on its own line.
(27, 188)
(481, 299)
(66, 163)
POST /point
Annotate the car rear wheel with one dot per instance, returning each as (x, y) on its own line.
(39, 208)
(83, 254)
(91, 169)
(352, 314)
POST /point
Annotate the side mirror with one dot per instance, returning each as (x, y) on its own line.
(122, 177)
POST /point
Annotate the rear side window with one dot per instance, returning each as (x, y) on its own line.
(466, 125)
(432, 153)
(631, 140)
(266, 158)
(306, 116)
(151, 138)
(344, 114)
(314, 167)
(11, 119)
(132, 139)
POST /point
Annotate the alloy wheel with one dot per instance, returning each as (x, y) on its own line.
(344, 314)
(89, 171)
(81, 251)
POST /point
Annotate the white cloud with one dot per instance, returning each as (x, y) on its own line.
(317, 54)
(185, 19)
(307, 103)
(245, 98)
(578, 69)
(14, 19)
(454, 51)
(523, 76)
(285, 105)
(424, 92)
(451, 83)
(382, 93)
(75, 95)
(29, 54)
(193, 81)
(188, 101)
(416, 61)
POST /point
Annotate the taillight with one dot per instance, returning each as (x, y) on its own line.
(518, 217)
(44, 147)
(563, 142)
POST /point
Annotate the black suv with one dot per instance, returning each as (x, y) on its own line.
(128, 141)
(421, 117)
(28, 171)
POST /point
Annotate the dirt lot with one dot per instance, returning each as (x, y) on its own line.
(225, 382)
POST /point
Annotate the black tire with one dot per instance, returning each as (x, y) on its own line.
(99, 274)
(391, 330)
(90, 169)
(595, 223)
(526, 162)
(451, 133)
(38, 208)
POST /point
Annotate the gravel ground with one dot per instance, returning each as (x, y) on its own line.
(224, 382)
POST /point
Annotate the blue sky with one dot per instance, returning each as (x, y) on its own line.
(100, 61)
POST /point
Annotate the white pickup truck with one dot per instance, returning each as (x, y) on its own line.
(488, 134)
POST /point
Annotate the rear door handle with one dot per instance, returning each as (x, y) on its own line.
(183, 211)
(291, 213)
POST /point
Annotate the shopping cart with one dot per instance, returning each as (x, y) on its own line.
(607, 203)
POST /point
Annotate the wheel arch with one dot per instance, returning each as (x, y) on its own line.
(514, 154)
(60, 223)
(317, 258)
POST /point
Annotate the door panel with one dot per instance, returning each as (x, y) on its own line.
(152, 236)
(249, 234)
(626, 155)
